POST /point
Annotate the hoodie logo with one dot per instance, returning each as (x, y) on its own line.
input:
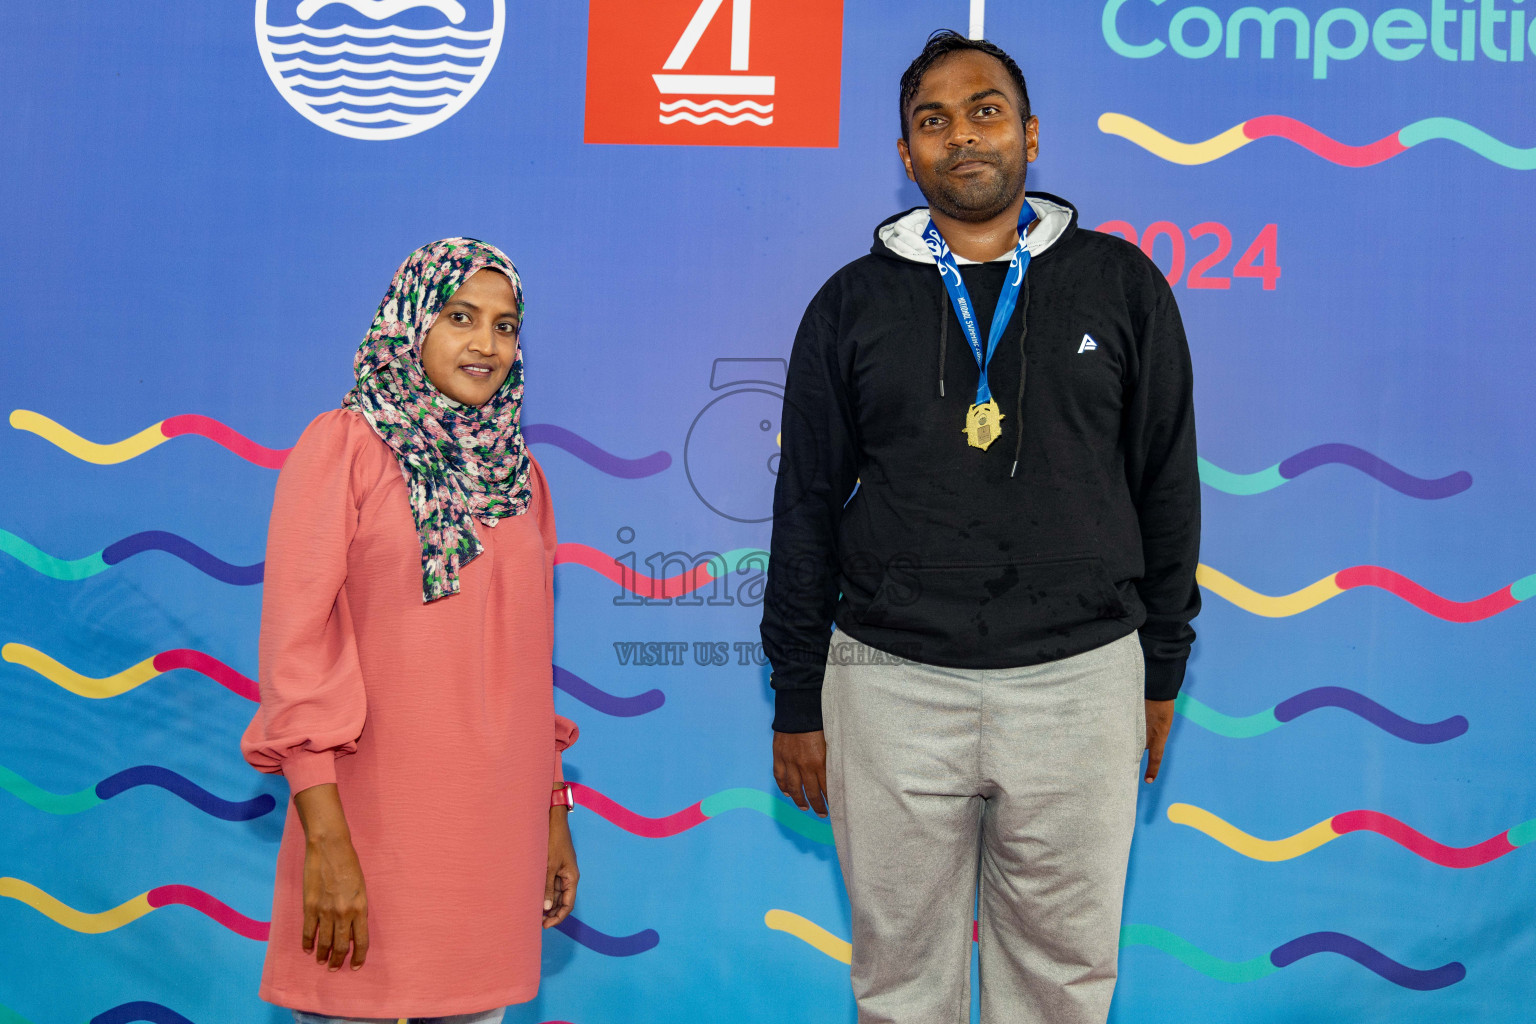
(1087, 345)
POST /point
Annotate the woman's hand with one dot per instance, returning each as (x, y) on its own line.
(561, 876)
(335, 900)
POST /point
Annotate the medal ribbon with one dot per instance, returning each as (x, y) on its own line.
(960, 298)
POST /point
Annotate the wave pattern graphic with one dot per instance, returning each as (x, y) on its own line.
(1329, 829)
(1189, 954)
(1245, 484)
(150, 540)
(783, 813)
(308, 65)
(1337, 583)
(130, 778)
(1292, 708)
(273, 458)
(729, 108)
(1317, 143)
(691, 118)
(608, 945)
(132, 910)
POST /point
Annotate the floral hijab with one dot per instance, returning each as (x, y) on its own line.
(461, 463)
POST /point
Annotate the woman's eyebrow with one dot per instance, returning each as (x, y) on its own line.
(462, 302)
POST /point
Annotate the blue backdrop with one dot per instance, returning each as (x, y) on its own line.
(194, 252)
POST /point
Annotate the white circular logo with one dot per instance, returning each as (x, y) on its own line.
(378, 69)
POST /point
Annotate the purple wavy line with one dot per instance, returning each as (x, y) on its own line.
(608, 945)
(1372, 465)
(140, 1010)
(1369, 958)
(159, 540)
(191, 792)
(607, 703)
(592, 455)
(1383, 718)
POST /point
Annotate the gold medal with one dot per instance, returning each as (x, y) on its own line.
(982, 424)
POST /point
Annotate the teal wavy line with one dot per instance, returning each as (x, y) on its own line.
(781, 811)
(43, 800)
(1475, 139)
(1242, 484)
(1209, 718)
(1193, 956)
(10, 1016)
(1523, 833)
(1523, 589)
(43, 562)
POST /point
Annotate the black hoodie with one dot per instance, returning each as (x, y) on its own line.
(1057, 539)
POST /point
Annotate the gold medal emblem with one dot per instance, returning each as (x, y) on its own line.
(982, 424)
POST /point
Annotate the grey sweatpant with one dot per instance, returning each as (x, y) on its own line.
(1022, 779)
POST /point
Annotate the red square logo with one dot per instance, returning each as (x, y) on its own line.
(714, 72)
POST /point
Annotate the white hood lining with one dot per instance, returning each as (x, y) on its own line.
(904, 236)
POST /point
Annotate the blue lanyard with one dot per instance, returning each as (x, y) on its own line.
(960, 298)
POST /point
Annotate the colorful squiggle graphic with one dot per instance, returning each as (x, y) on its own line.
(605, 702)
(273, 458)
(1288, 953)
(1365, 576)
(1189, 954)
(138, 1010)
(781, 811)
(1329, 829)
(1244, 484)
(150, 668)
(608, 945)
(1314, 141)
(1310, 700)
(129, 678)
(130, 778)
(150, 540)
(683, 583)
(132, 910)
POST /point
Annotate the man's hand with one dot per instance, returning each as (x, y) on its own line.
(560, 874)
(1159, 721)
(800, 768)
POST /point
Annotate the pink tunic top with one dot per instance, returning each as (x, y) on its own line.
(436, 722)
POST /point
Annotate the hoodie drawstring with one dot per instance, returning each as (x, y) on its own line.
(943, 332)
(1018, 403)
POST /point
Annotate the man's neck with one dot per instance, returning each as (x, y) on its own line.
(981, 241)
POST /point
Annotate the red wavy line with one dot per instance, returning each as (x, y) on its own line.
(213, 430)
(1417, 842)
(1307, 137)
(198, 900)
(634, 582)
(209, 666)
(629, 821)
(1442, 608)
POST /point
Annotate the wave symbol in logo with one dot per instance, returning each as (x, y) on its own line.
(378, 69)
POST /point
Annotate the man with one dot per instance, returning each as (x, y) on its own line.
(989, 517)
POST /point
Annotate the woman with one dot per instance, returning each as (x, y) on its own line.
(406, 636)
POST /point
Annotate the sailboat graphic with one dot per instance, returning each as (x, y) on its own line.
(699, 99)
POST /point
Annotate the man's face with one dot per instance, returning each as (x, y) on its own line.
(967, 146)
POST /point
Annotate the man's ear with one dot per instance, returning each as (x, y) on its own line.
(1031, 138)
(906, 158)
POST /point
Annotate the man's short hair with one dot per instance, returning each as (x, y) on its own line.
(940, 45)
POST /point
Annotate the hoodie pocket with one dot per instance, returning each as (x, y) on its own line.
(1002, 605)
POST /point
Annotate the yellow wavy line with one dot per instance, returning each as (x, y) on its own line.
(74, 682)
(1249, 846)
(1262, 604)
(69, 917)
(1158, 144)
(89, 451)
(810, 933)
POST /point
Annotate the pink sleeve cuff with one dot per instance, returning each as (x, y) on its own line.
(306, 768)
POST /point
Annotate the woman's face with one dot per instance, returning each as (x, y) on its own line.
(471, 347)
